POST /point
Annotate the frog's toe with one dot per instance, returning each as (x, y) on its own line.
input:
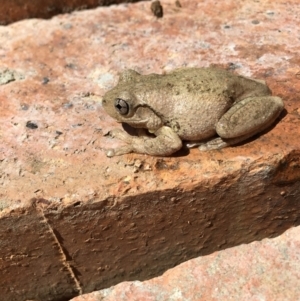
(110, 153)
(216, 143)
(126, 149)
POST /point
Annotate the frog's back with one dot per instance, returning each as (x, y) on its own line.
(214, 81)
(201, 80)
(185, 90)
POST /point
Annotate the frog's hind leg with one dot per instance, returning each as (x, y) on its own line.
(245, 119)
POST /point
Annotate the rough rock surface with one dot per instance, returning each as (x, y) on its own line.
(74, 221)
(265, 270)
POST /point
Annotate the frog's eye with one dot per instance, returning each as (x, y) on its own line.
(121, 106)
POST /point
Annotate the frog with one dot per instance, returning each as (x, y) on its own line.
(209, 108)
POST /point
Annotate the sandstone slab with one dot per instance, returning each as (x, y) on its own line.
(133, 217)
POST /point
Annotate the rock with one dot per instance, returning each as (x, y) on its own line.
(72, 220)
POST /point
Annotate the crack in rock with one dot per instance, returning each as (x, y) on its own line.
(65, 254)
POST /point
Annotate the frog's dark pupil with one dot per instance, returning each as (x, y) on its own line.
(122, 106)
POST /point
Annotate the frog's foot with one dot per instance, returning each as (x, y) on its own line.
(165, 142)
(217, 143)
(122, 150)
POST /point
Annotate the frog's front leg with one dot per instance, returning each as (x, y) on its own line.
(165, 143)
(245, 119)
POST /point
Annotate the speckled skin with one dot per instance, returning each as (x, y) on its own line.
(192, 104)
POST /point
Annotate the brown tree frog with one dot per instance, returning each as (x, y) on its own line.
(188, 104)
